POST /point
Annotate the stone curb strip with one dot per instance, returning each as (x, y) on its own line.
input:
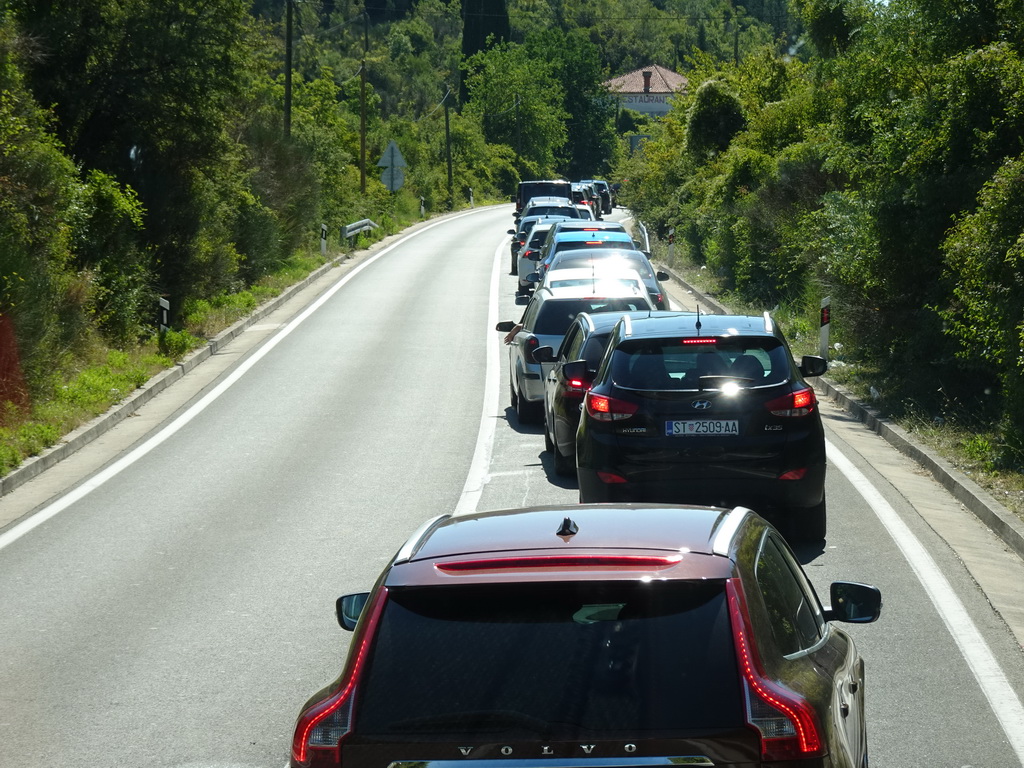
(1003, 523)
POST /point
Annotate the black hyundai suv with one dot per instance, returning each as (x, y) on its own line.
(594, 637)
(705, 409)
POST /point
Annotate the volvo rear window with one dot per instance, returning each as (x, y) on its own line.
(554, 660)
(556, 315)
(689, 364)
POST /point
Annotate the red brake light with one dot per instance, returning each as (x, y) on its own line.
(794, 474)
(576, 387)
(604, 408)
(786, 722)
(699, 340)
(799, 403)
(321, 728)
(562, 561)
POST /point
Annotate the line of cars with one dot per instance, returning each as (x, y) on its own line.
(670, 407)
(630, 633)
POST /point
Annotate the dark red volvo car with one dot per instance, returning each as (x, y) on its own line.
(592, 637)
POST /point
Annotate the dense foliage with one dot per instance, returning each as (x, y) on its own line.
(880, 167)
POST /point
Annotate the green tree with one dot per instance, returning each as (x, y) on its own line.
(518, 102)
(145, 92)
(715, 117)
(591, 143)
(984, 255)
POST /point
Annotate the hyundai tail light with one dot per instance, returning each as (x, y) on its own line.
(604, 408)
(798, 403)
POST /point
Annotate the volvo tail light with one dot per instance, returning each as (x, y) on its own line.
(799, 403)
(604, 408)
(323, 726)
(785, 721)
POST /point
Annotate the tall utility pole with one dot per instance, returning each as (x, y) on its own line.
(448, 151)
(288, 70)
(362, 105)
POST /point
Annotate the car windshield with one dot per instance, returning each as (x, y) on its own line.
(555, 660)
(678, 363)
(556, 315)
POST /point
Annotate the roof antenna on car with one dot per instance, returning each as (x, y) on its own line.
(569, 528)
(697, 326)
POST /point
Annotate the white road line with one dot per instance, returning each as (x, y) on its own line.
(58, 506)
(479, 470)
(997, 689)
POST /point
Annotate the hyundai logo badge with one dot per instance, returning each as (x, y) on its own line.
(701, 405)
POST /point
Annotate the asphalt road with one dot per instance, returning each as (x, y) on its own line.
(177, 608)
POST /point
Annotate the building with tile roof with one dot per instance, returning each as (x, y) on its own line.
(647, 90)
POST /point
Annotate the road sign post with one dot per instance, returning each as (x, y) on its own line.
(392, 162)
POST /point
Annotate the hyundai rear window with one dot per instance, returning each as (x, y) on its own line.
(681, 363)
(555, 660)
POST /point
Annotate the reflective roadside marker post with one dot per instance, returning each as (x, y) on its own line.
(323, 241)
(671, 243)
(165, 315)
(423, 207)
(826, 311)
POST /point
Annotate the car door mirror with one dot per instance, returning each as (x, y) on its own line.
(533, 277)
(512, 232)
(544, 355)
(522, 300)
(662, 276)
(349, 608)
(812, 365)
(505, 326)
(854, 603)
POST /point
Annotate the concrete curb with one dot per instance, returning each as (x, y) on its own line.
(1001, 521)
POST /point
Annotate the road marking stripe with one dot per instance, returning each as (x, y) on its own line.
(79, 492)
(997, 689)
(479, 470)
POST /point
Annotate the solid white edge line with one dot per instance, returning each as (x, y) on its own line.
(479, 470)
(1005, 703)
(51, 510)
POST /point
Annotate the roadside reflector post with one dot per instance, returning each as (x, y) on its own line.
(826, 312)
(323, 241)
(164, 321)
